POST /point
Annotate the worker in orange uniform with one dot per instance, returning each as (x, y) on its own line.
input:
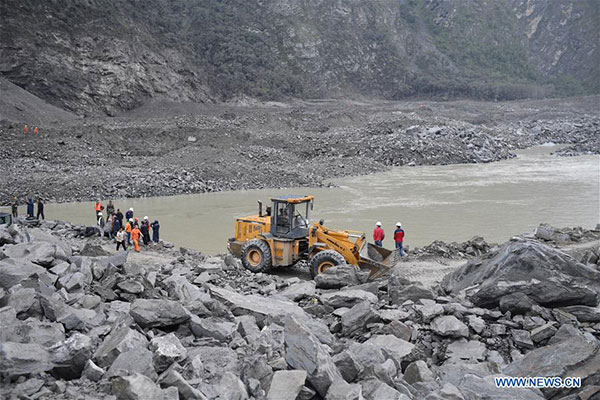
(135, 236)
(35, 131)
(98, 207)
(26, 129)
(128, 229)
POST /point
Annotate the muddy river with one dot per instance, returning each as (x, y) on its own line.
(449, 203)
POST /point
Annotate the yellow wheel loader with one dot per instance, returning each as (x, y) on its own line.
(282, 236)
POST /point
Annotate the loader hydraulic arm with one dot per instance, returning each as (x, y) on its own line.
(341, 241)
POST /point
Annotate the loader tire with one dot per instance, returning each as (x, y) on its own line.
(256, 256)
(324, 260)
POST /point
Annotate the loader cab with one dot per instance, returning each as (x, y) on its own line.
(5, 219)
(289, 216)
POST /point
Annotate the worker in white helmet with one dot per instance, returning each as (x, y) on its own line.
(100, 224)
(399, 238)
(378, 234)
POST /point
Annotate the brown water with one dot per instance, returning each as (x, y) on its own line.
(449, 203)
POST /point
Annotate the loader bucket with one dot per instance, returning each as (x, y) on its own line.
(377, 259)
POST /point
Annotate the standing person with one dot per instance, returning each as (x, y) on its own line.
(116, 227)
(378, 234)
(128, 229)
(145, 231)
(30, 207)
(129, 214)
(399, 238)
(110, 208)
(35, 131)
(15, 207)
(119, 215)
(98, 207)
(120, 238)
(155, 228)
(101, 224)
(40, 206)
(109, 225)
(26, 129)
(135, 236)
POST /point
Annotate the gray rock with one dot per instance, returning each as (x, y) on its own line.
(516, 303)
(474, 387)
(358, 317)
(181, 289)
(246, 325)
(298, 291)
(429, 311)
(138, 360)
(119, 341)
(400, 290)
(231, 387)
(348, 366)
(476, 324)
(347, 298)
(341, 390)
(366, 357)
(158, 313)
(418, 371)
(212, 327)
(392, 347)
(136, 387)
(23, 359)
(449, 326)
(286, 385)
(548, 276)
(28, 388)
(340, 276)
(566, 331)
(543, 332)
(374, 389)
(13, 272)
(167, 350)
(498, 329)
(447, 392)
(70, 356)
(305, 352)
(584, 313)
(172, 378)
(118, 259)
(463, 350)
(92, 372)
(522, 338)
(131, 286)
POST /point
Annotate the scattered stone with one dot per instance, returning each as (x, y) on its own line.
(418, 371)
(158, 313)
(339, 276)
(167, 350)
(347, 298)
(522, 338)
(136, 387)
(449, 326)
(543, 332)
(286, 385)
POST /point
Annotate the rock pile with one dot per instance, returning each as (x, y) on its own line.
(180, 325)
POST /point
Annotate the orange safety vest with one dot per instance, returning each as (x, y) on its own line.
(98, 206)
(35, 131)
(128, 227)
(135, 234)
(26, 129)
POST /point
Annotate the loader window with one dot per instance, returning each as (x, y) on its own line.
(300, 219)
(283, 218)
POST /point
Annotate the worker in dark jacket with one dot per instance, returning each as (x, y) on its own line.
(399, 238)
(15, 207)
(29, 207)
(129, 214)
(116, 225)
(40, 211)
(378, 234)
(145, 228)
(155, 228)
(110, 208)
(119, 215)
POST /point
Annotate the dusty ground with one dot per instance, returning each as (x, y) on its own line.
(165, 149)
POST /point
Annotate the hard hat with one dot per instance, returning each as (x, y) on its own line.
(130, 219)
(99, 213)
(146, 217)
(378, 223)
(131, 209)
(398, 224)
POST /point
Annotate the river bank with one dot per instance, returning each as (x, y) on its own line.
(173, 323)
(168, 149)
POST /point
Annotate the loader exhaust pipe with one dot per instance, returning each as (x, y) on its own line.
(260, 213)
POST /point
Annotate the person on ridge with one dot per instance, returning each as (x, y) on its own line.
(15, 207)
(26, 129)
(116, 225)
(101, 224)
(110, 208)
(119, 215)
(128, 229)
(40, 209)
(129, 214)
(378, 234)
(155, 228)
(135, 236)
(98, 207)
(399, 238)
(120, 239)
(109, 225)
(145, 229)
(30, 207)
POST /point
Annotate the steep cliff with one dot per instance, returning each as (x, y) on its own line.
(101, 56)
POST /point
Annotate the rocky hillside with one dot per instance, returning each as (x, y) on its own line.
(102, 57)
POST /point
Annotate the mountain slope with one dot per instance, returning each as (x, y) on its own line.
(100, 56)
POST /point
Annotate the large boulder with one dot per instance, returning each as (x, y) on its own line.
(340, 276)
(119, 341)
(14, 271)
(305, 352)
(400, 289)
(23, 359)
(392, 347)
(167, 350)
(286, 385)
(347, 298)
(449, 326)
(548, 276)
(40, 253)
(71, 355)
(136, 387)
(158, 313)
(138, 360)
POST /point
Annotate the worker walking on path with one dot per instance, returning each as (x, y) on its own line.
(155, 228)
(135, 236)
(120, 238)
(399, 239)
(40, 209)
(378, 234)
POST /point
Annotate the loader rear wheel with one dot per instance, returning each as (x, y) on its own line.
(324, 260)
(256, 255)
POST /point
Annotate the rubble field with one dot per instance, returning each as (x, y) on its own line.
(81, 321)
(167, 149)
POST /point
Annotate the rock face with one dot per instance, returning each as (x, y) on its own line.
(158, 313)
(548, 276)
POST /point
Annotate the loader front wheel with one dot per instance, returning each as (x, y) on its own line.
(256, 255)
(324, 260)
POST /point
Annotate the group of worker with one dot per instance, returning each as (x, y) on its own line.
(379, 235)
(125, 229)
(36, 131)
(30, 207)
